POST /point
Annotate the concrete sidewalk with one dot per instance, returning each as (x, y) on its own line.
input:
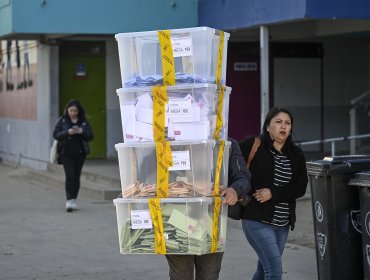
(41, 241)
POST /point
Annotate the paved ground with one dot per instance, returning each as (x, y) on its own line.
(40, 241)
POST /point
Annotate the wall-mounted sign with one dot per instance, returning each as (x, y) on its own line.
(245, 66)
(81, 70)
(18, 78)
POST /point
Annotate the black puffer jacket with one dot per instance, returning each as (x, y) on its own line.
(262, 171)
(67, 143)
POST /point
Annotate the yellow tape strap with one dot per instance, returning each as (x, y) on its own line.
(220, 157)
(216, 215)
(219, 58)
(156, 216)
(168, 62)
(160, 98)
(219, 119)
(164, 161)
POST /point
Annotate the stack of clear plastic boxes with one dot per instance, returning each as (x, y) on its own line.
(189, 217)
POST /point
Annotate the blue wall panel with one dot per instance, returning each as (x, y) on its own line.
(101, 16)
(347, 9)
(233, 14)
(5, 17)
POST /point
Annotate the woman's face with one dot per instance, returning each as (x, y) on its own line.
(72, 112)
(280, 127)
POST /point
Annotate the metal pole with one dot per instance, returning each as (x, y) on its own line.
(333, 148)
(352, 128)
(264, 53)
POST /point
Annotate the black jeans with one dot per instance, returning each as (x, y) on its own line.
(72, 168)
(207, 267)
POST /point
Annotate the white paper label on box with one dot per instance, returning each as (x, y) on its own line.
(181, 160)
(180, 108)
(182, 46)
(128, 122)
(141, 219)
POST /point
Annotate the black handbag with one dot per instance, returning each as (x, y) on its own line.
(235, 211)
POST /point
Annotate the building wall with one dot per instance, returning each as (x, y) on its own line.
(27, 142)
(94, 16)
(346, 72)
(345, 76)
(234, 14)
(297, 87)
(114, 127)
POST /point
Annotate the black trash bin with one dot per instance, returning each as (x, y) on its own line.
(362, 181)
(336, 212)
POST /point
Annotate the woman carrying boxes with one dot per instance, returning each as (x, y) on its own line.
(208, 266)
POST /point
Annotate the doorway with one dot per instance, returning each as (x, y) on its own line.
(82, 77)
(243, 76)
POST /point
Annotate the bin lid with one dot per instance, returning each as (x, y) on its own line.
(361, 179)
(338, 165)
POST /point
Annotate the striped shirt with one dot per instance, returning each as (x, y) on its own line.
(282, 176)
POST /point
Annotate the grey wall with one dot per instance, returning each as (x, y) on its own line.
(28, 142)
(345, 76)
(346, 72)
(297, 87)
(113, 82)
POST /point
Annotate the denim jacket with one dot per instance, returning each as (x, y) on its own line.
(239, 177)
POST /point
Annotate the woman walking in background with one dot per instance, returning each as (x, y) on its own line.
(72, 131)
(279, 177)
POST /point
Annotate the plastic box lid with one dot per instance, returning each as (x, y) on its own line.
(175, 87)
(338, 165)
(174, 31)
(172, 143)
(361, 179)
(180, 200)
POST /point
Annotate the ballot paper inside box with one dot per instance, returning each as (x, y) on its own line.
(188, 224)
(190, 114)
(195, 56)
(193, 172)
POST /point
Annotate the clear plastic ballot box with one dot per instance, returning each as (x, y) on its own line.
(195, 53)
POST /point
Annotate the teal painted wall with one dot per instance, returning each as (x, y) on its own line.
(5, 17)
(95, 16)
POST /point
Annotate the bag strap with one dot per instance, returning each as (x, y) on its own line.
(256, 144)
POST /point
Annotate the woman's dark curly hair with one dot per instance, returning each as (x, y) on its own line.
(273, 113)
(77, 104)
(270, 115)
